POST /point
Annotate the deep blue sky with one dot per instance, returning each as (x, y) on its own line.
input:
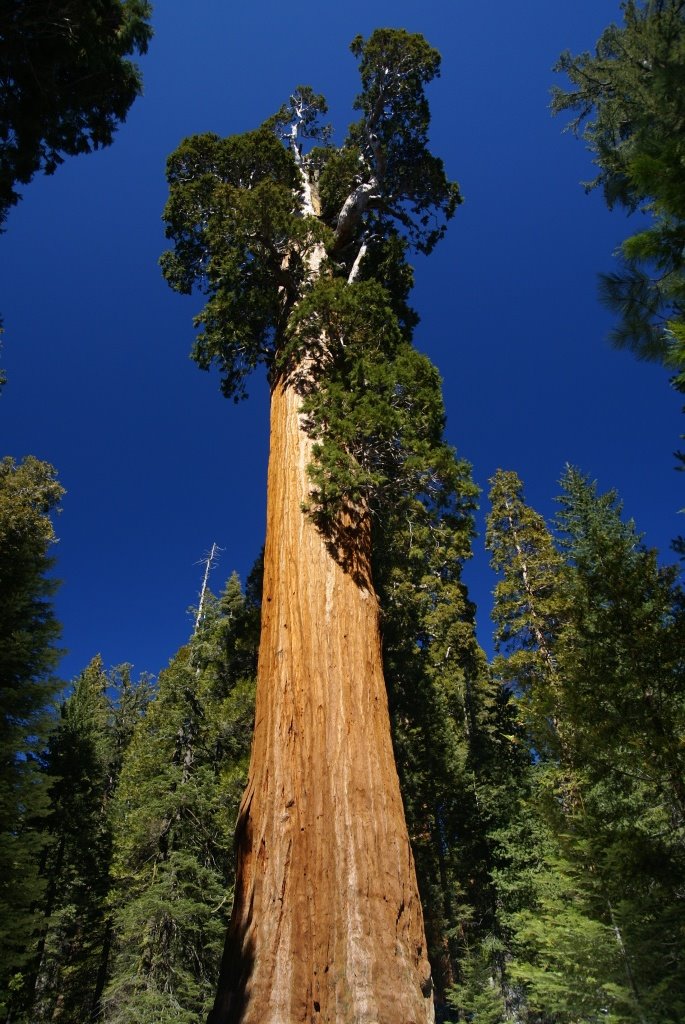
(157, 465)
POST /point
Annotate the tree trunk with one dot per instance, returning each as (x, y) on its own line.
(327, 923)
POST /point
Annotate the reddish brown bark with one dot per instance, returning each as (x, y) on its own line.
(327, 924)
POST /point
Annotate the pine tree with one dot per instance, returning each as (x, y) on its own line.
(302, 256)
(622, 654)
(529, 607)
(29, 494)
(180, 788)
(554, 941)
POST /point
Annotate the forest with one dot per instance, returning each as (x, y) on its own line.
(352, 795)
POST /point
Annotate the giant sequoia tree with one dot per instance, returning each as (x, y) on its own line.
(300, 247)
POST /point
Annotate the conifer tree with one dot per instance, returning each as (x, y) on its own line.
(83, 763)
(29, 494)
(529, 609)
(450, 731)
(589, 895)
(554, 939)
(181, 784)
(622, 655)
(301, 253)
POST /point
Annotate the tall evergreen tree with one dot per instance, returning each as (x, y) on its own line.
(83, 764)
(587, 883)
(450, 731)
(302, 255)
(529, 607)
(622, 653)
(29, 494)
(181, 784)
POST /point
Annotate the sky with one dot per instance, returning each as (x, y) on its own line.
(158, 466)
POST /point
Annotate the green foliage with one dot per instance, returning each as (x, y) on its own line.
(629, 98)
(392, 136)
(232, 215)
(174, 813)
(29, 494)
(589, 864)
(66, 81)
(83, 764)
(528, 608)
(291, 248)
(627, 635)
(478, 998)
(374, 402)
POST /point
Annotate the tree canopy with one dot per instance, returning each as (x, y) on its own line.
(242, 232)
(249, 214)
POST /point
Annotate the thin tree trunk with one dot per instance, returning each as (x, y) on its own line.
(327, 923)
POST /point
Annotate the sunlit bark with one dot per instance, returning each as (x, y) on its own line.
(327, 924)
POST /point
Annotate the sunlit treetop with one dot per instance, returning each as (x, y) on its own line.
(245, 213)
(300, 247)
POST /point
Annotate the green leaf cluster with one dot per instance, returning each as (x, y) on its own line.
(372, 403)
(232, 215)
(391, 138)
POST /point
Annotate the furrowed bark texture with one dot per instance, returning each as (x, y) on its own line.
(327, 923)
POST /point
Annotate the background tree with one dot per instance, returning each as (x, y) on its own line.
(181, 785)
(628, 95)
(450, 725)
(302, 256)
(29, 494)
(65, 81)
(84, 760)
(629, 100)
(622, 653)
(587, 871)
